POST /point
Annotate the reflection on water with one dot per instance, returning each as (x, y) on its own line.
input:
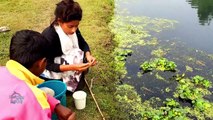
(204, 10)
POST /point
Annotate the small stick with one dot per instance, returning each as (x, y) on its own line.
(95, 100)
(91, 83)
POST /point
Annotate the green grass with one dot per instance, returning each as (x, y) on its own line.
(37, 14)
(23, 14)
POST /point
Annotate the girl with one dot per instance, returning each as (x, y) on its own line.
(68, 48)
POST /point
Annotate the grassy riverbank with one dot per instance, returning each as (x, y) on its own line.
(36, 15)
(24, 14)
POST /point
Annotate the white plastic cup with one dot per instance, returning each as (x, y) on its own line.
(80, 99)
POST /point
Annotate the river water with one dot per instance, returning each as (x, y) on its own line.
(192, 36)
(195, 26)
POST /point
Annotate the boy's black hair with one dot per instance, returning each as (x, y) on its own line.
(27, 47)
(67, 10)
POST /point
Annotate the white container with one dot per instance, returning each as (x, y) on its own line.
(80, 99)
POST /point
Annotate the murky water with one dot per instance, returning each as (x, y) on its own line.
(195, 26)
(189, 44)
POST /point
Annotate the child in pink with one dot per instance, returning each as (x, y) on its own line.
(20, 99)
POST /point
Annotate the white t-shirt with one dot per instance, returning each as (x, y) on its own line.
(72, 54)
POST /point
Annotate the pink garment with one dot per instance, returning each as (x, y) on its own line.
(18, 102)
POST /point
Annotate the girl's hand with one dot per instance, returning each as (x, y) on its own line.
(75, 67)
(82, 67)
(91, 59)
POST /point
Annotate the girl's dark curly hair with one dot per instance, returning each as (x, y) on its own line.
(67, 10)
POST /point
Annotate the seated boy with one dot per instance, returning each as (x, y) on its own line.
(20, 99)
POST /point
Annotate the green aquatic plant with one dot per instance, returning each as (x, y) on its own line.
(153, 41)
(129, 101)
(130, 31)
(170, 111)
(158, 52)
(188, 68)
(124, 52)
(120, 60)
(161, 64)
(171, 103)
(187, 92)
(139, 74)
(167, 89)
(146, 66)
(120, 68)
(188, 89)
(199, 80)
(159, 77)
(193, 89)
(202, 104)
(198, 115)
